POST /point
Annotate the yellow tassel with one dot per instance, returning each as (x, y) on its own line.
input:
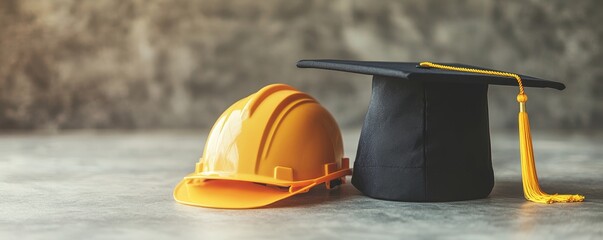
(531, 187)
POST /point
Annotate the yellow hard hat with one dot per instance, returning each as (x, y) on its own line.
(271, 145)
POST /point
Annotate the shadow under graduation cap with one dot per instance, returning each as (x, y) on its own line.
(426, 133)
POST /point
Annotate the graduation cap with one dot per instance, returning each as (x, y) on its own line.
(426, 133)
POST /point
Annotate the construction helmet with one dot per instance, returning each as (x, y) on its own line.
(271, 145)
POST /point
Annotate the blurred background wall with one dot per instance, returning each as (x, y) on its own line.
(72, 64)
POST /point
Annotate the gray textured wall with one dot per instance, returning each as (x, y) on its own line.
(178, 64)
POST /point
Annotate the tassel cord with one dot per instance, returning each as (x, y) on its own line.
(529, 177)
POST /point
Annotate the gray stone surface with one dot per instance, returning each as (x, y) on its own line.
(118, 185)
(178, 64)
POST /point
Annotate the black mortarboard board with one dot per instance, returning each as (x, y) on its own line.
(426, 134)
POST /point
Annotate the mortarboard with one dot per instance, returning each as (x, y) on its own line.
(426, 133)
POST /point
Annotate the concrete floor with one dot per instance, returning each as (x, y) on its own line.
(107, 185)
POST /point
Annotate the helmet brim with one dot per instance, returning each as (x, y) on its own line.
(230, 193)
